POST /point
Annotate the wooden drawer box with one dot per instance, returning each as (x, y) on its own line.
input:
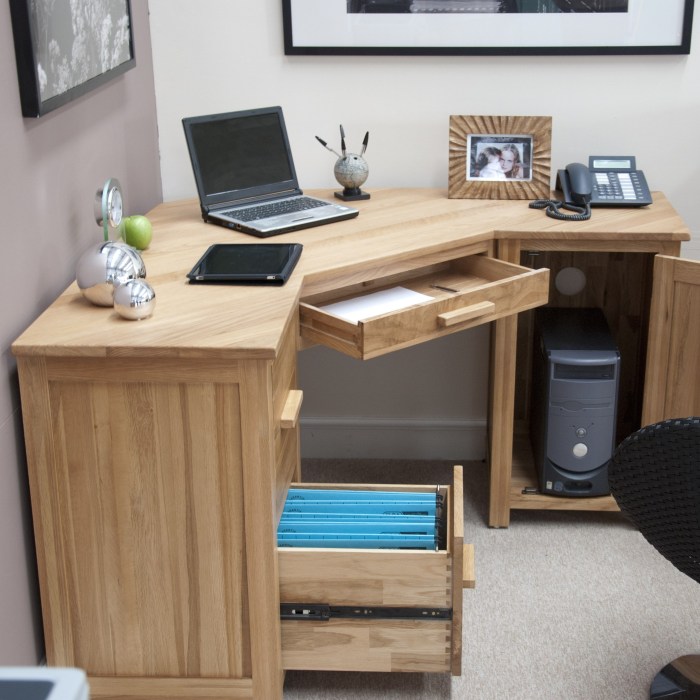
(374, 584)
(463, 293)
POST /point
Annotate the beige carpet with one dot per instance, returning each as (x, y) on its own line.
(567, 605)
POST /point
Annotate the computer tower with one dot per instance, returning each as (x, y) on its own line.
(576, 368)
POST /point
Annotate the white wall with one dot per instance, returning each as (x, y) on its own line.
(217, 55)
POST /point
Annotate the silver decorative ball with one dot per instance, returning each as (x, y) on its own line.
(135, 299)
(351, 171)
(105, 266)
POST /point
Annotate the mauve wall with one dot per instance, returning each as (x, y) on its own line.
(50, 169)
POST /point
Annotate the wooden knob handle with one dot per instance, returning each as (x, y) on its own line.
(292, 408)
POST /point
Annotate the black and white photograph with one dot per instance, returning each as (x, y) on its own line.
(499, 157)
(483, 6)
(66, 49)
(486, 27)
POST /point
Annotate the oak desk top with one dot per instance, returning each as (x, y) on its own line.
(246, 322)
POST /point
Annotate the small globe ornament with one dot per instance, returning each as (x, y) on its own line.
(105, 266)
(134, 300)
(351, 171)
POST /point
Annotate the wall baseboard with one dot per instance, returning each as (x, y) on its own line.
(370, 438)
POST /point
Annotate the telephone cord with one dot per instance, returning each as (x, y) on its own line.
(552, 208)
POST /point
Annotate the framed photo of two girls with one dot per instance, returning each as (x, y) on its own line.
(499, 157)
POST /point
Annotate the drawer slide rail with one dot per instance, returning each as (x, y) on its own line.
(322, 613)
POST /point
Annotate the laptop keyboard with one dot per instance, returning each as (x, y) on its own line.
(283, 206)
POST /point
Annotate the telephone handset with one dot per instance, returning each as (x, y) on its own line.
(576, 184)
(613, 181)
(608, 181)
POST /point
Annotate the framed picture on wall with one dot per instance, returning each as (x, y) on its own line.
(64, 50)
(499, 157)
(486, 27)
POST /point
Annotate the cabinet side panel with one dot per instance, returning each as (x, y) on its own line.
(673, 365)
(287, 447)
(682, 391)
(148, 499)
(259, 426)
(44, 486)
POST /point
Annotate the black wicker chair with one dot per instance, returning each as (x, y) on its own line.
(655, 478)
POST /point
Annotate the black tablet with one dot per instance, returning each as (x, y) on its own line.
(232, 263)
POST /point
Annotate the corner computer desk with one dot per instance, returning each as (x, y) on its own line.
(160, 452)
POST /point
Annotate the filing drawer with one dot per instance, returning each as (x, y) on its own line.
(373, 585)
(462, 293)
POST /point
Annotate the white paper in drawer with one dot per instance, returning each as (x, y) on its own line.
(376, 304)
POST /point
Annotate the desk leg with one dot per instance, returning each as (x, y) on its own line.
(504, 343)
(503, 350)
(261, 536)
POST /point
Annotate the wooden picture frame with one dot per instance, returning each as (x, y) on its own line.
(499, 157)
(64, 50)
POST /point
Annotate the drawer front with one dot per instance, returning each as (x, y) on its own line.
(378, 582)
(356, 645)
(460, 294)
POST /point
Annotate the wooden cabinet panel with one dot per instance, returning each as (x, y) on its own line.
(672, 387)
(137, 492)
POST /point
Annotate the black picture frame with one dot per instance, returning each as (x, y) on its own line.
(348, 27)
(40, 38)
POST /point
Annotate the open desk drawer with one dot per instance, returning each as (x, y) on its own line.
(460, 294)
(399, 610)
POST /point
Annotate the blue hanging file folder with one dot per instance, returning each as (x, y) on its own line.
(348, 518)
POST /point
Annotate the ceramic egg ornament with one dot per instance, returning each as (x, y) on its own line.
(105, 266)
(350, 170)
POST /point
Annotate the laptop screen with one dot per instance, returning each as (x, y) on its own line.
(240, 154)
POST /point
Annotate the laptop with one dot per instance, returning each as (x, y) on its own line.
(245, 174)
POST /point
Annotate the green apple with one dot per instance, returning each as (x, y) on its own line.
(138, 231)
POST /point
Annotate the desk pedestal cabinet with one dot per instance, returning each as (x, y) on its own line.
(160, 452)
(155, 487)
(158, 569)
(651, 302)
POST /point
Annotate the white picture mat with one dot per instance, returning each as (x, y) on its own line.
(326, 23)
(376, 304)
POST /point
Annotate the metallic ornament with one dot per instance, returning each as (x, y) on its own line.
(103, 267)
(135, 299)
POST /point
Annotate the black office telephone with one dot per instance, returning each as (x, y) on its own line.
(608, 181)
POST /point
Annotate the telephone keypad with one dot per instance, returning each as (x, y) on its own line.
(618, 186)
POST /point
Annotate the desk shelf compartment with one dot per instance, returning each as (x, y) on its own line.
(390, 610)
(459, 294)
(524, 487)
